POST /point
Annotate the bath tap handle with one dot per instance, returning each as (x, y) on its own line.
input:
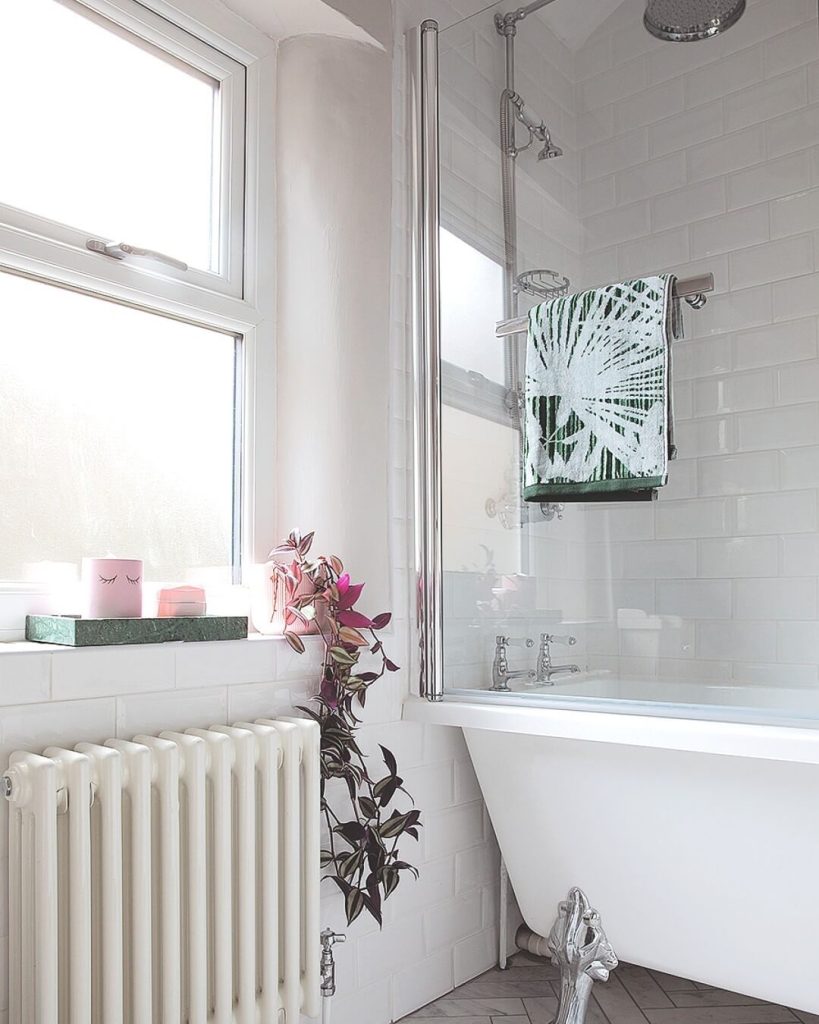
(509, 641)
(552, 638)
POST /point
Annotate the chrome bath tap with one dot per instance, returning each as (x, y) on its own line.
(545, 668)
(500, 667)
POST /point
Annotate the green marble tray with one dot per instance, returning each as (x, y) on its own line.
(72, 631)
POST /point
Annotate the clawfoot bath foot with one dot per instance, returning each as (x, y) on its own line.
(580, 949)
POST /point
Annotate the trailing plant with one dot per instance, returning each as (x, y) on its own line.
(362, 856)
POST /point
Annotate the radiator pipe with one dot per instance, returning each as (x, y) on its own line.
(328, 970)
(531, 942)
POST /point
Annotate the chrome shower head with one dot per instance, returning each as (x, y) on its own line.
(549, 151)
(683, 21)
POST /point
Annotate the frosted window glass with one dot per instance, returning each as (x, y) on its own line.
(106, 135)
(471, 305)
(116, 435)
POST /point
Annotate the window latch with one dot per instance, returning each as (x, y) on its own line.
(121, 250)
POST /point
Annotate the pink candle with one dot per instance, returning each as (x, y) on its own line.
(111, 588)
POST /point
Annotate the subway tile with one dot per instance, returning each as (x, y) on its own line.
(687, 129)
(732, 640)
(606, 597)
(729, 153)
(738, 474)
(108, 671)
(793, 214)
(765, 100)
(448, 831)
(694, 599)
(771, 180)
(798, 642)
(723, 558)
(787, 341)
(798, 382)
(475, 954)
(693, 518)
(650, 106)
(614, 84)
(787, 427)
(420, 982)
(59, 723)
(683, 399)
(772, 261)
(262, 700)
(151, 713)
(695, 202)
(435, 883)
(790, 598)
(774, 674)
(674, 559)
(696, 438)
(651, 179)
(792, 49)
(598, 195)
(734, 393)
(748, 226)
(620, 522)
(793, 131)
(739, 71)
(796, 297)
(432, 785)
(735, 311)
(611, 155)
(799, 467)
(619, 225)
(479, 865)
(446, 923)
(694, 359)
(682, 478)
(800, 555)
(790, 512)
(25, 676)
(653, 254)
(401, 942)
(765, 20)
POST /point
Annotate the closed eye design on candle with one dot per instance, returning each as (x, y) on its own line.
(127, 577)
(109, 580)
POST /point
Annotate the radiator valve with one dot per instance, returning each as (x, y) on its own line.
(328, 964)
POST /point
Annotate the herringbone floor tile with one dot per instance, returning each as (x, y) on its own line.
(527, 992)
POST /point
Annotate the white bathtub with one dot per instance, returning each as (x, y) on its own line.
(697, 840)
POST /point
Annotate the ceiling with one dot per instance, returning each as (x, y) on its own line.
(297, 17)
(574, 22)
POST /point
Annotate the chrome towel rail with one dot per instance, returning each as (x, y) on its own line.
(692, 289)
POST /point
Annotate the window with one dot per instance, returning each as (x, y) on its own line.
(127, 130)
(133, 353)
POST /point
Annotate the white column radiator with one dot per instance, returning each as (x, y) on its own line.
(170, 879)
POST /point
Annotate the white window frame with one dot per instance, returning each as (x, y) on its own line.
(241, 303)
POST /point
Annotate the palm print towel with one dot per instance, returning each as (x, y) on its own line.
(598, 422)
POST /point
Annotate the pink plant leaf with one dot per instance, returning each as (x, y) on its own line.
(351, 595)
(351, 618)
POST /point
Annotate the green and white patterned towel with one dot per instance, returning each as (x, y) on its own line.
(598, 419)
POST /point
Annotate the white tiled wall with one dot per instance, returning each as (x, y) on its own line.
(689, 158)
(707, 155)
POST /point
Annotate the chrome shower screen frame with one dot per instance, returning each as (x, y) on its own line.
(426, 314)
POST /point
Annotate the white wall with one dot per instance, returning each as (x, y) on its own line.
(346, 472)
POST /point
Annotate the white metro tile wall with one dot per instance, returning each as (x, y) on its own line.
(720, 140)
